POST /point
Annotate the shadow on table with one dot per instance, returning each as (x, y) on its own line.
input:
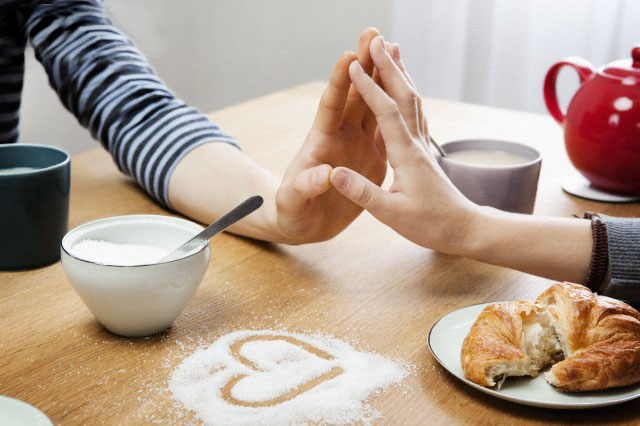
(459, 281)
(204, 313)
(467, 396)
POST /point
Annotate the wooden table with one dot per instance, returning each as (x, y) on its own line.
(368, 286)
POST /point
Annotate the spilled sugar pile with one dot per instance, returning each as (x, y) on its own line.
(267, 377)
(117, 254)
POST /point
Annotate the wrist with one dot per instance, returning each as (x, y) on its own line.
(268, 225)
(272, 228)
(478, 235)
(460, 231)
(599, 264)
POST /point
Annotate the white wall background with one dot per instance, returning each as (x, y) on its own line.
(497, 52)
(214, 53)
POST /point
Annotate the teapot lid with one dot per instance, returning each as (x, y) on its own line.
(624, 68)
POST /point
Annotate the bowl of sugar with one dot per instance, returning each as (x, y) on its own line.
(113, 265)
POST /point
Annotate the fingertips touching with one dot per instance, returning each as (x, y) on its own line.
(389, 68)
(320, 176)
(339, 76)
(388, 60)
(311, 182)
(355, 69)
(396, 84)
(385, 108)
(379, 54)
(360, 190)
(340, 178)
(361, 80)
(356, 108)
(363, 83)
(347, 57)
(362, 50)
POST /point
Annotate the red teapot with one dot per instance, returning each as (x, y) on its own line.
(602, 123)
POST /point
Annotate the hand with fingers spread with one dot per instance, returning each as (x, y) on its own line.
(343, 134)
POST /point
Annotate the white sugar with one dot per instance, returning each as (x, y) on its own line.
(288, 365)
(282, 378)
(117, 254)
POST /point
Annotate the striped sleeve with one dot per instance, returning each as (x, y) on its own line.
(108, 85)
(12, 43)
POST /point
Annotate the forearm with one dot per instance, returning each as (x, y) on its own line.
(214, 178)
(111, 89)
(550, 247)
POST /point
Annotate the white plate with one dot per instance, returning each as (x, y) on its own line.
(445, 341)
(16, 413)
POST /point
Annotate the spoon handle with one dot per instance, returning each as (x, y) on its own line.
(438, 147)
(248, 206)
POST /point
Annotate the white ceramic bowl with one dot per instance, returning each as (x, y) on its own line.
(136, 300)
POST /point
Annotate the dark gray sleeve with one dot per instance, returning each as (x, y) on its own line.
(623, 235)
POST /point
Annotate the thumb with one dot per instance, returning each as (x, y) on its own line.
(360, 190)
(294, 196)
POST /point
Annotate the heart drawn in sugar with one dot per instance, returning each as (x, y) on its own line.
(251, 377)
(283, 367)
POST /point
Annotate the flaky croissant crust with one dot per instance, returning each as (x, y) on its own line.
(600, 338)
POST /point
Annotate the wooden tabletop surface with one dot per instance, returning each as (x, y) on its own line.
(367, 286)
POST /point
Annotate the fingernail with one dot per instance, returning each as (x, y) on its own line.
(381, 44)
(349, 54)
(396, 51)
(356, 66)
(319, 178)
(341, 179)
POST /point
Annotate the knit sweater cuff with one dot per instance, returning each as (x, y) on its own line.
(623, 235)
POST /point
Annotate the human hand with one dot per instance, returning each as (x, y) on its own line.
(343, 134)
(422, 204)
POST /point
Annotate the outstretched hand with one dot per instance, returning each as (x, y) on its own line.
(343, 134)
(422, 204)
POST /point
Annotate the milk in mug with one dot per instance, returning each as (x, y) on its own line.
(479, 157)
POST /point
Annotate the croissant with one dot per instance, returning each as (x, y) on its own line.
(593, 342)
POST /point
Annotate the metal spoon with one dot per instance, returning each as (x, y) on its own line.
(246, 207)
(438, 147)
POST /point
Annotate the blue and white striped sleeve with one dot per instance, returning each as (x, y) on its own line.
(108, 85)
(12, 44)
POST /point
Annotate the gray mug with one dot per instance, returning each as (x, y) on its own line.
(511, 188)
(34, 204)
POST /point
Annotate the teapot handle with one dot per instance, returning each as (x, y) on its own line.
(584, 70)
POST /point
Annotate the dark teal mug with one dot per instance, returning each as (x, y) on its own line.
(34, 204)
